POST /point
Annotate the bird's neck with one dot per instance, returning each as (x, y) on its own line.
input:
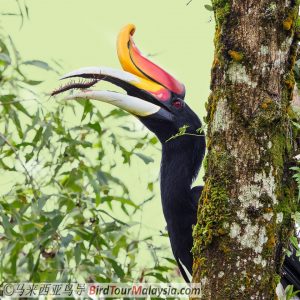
(181, 161)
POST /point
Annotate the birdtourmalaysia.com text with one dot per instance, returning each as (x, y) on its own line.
(103, 290)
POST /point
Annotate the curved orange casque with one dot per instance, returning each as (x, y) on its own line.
(131, 59)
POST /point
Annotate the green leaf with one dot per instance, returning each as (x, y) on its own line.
(95, 126)
(126, 155)
(29, 231)
(5, 58)
(170, 260)
(6, 99)
(119, 271)
(162, 268)
(38, 63)
(105, 177)
(157, 275)
(13, 259)
(34, 274)
(146, 159)
(125, 128)
(29, 156)
(290, 293)
(294, 241)
(297, 125)
(55, 222)
(150, 186)
(24, 144)
(83, 233)
(70, 181)
(95, 186)
(117, 113)
(21, 108)
(16, 120)
(46, 136)
(8, 229)
(88, 108)
(153, 140)
(77, 253)
(3, 48)
(122, 200)
(139, 145)
(37, 136)
(208, 7)
(33, 82)
(65, 241)
(106, 213)
(110, 227)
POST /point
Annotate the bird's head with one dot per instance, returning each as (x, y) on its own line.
(153, 95)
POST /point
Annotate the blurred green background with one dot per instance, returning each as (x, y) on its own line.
(72, 34)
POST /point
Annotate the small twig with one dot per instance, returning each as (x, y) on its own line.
(182, 131)
(193, 134)
(178, 135)
(189, 2)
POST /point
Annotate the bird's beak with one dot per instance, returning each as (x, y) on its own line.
(134, 62)
(150, 89)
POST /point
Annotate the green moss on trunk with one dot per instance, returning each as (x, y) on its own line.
(244, 215)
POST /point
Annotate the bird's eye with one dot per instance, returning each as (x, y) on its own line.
(177, 104)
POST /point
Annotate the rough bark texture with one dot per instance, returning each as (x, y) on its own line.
(244, 216)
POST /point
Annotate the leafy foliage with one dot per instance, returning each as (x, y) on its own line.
(65, 215)
(290, 293)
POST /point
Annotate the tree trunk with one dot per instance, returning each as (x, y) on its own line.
(244, 216)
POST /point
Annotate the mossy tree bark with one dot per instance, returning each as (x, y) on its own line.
(244, 216)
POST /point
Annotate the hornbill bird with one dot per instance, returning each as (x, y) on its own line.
(157, 99)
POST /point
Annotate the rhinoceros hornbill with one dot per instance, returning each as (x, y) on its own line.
(157, 100)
